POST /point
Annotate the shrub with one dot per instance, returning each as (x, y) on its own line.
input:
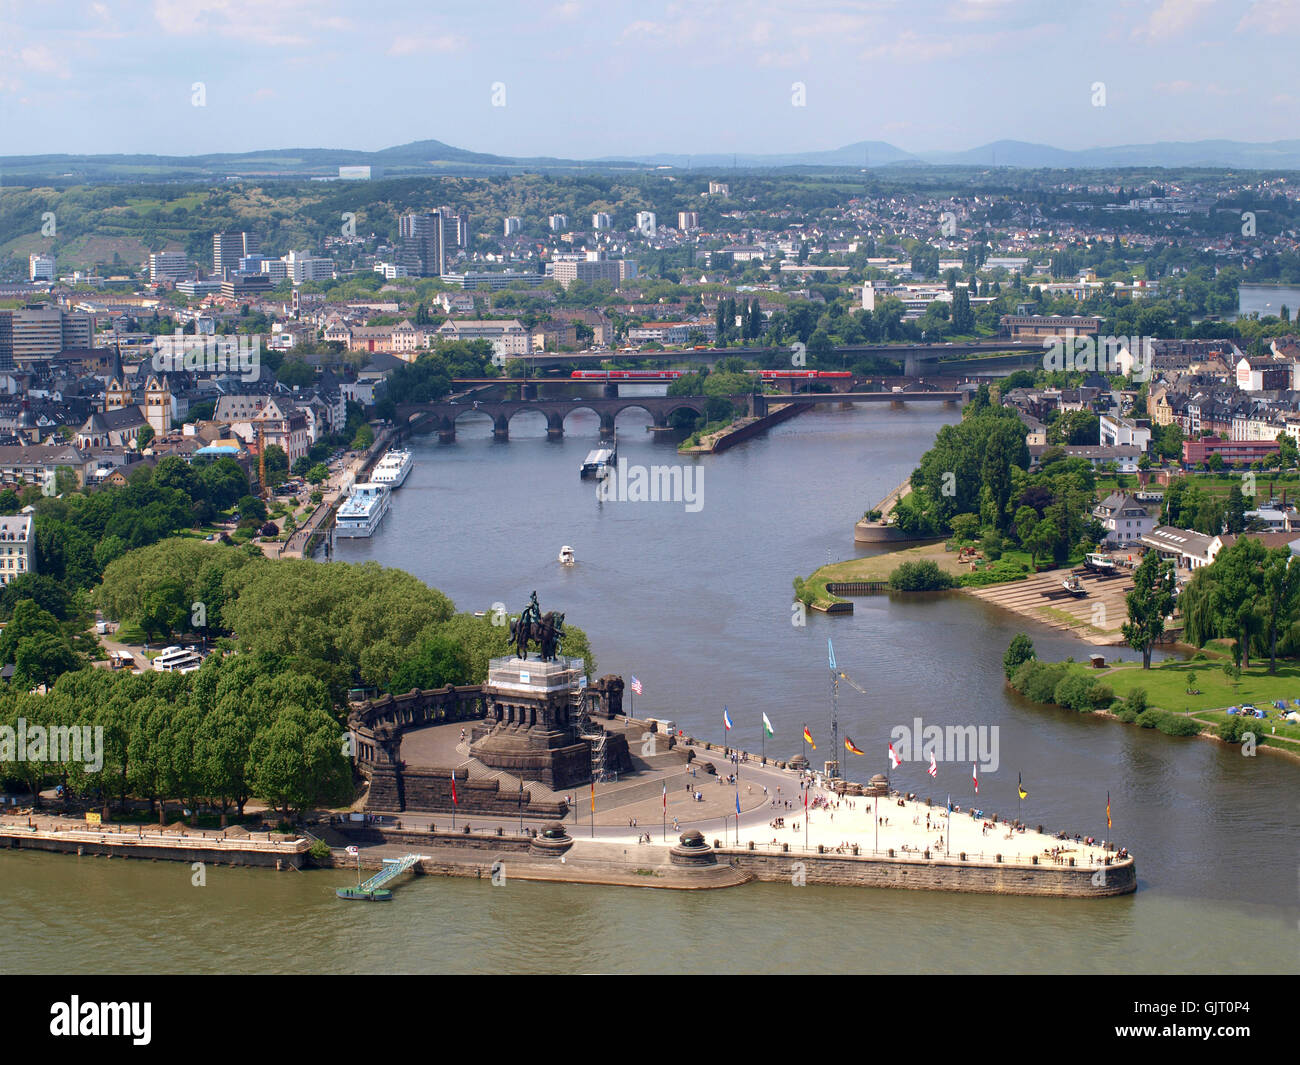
(1020, 650)
(1126, 715)
(922, 576)
(1150, 718)
(1233, 730)
(1074, 692)
(1037, 681)
(320, 851)
(1101, 696)
(1178, 725)
(1134, 703)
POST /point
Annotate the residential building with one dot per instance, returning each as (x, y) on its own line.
(1125, 520)
(645, 223)
(229, 248)
(301, 267)
(1188, 550)
(420, 244)
(169, 266)
(1115, 430)
(688, 220)
(601, 220)
(17, 546)
(559, 223)
(40, 267)
(1233, 452)
(513, 225)
(507, 335)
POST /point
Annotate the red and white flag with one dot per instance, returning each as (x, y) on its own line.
(894, 760)
(455, 800)
(934, 769)
(665, 796)
(975, 776)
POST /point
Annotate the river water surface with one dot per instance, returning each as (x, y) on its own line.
(698, 607)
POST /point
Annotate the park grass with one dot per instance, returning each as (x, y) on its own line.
(875, 568)
(1166, 685)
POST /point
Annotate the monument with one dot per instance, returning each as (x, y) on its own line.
(535, 727)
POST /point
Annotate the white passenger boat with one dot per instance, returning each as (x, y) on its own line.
(566, 555)
(393, 468)
(362, 511)
(599, 462)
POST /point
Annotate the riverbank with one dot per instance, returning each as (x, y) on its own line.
(135, 841)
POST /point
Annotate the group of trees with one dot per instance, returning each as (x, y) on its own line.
(975, 484)
(1250, 594)
(215, 738)
(350, 626)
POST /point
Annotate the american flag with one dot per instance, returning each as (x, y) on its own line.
(636, 685)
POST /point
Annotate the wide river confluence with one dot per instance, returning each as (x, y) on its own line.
(698, 606)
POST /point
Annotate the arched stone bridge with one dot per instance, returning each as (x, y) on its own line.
(443, 415)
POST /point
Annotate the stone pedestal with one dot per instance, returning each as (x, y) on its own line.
(530, 730)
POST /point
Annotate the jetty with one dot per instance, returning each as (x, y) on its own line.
(375, 889)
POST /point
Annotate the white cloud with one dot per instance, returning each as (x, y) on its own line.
(1271, 16)
(252, 21)
(446, 42)
(42, 60)
(1173, 17)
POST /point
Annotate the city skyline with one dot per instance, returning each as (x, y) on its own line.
(578, 81)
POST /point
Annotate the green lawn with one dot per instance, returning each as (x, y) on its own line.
(1166, 685)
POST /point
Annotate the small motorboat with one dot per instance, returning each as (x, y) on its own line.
(566, 555)
(1075, 587)
(1099, 563)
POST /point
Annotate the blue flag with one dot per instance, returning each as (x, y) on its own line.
(737, 804)
(830, 652)
(950, 804)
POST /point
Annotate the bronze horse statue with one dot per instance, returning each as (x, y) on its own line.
(546, 633)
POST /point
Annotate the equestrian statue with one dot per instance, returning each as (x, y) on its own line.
(532, 626)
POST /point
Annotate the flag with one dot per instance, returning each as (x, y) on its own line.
(894, 760)
(934, 769)
(950, 804)
(830, 653)
(455, 800)
(805, 801)
(593, 796)
(850, 745)
(636, 685)
(737, 803)
(1020, 788)
(1108, 824)
(726, 719)
(975, 776)
(665, 796)
(807, 738)
(767, 726)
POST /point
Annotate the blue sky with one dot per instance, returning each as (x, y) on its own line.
(585, 79)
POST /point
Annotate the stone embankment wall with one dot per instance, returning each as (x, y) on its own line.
(938, 874)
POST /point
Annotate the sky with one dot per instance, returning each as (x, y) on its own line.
(587, 79)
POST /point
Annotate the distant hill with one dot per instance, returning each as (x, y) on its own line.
(433, 157)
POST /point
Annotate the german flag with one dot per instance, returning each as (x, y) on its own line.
(850, 745)
(807, 737)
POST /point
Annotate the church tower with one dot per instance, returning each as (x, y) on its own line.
(117, 395)
(158, 405)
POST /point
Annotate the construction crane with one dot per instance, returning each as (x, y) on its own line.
(842, 676)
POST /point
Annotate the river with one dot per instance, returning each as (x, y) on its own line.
(698, 606)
